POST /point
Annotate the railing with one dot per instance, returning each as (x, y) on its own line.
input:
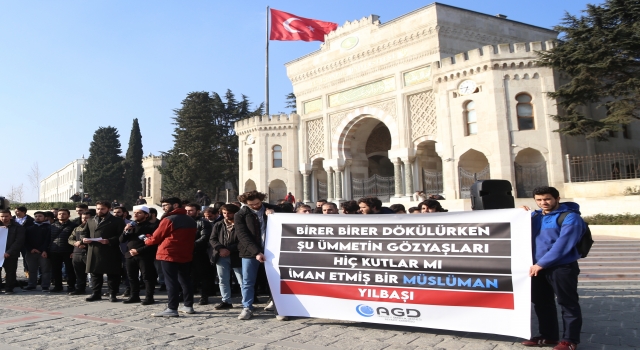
(603, 167)
(376, 185)
(432, 182)
(467, 178)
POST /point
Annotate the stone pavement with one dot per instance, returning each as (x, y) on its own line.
(35, 320)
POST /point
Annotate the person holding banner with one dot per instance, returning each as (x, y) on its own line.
(251, 229)
(555, 270)
(11, 251)
(372, 205)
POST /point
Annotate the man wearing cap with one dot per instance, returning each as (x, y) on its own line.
(138, 256)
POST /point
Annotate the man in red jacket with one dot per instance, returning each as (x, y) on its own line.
(175, 237)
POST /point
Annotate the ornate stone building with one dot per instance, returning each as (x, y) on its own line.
(432, 100)
(152, 179)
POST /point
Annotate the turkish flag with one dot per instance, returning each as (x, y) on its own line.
(286, 26)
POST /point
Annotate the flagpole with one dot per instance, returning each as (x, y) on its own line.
(266, 70)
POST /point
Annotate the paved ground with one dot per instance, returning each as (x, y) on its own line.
(35, 320)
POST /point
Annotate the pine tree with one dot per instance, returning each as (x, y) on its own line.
(601, 53)
(205, 151)
(104, 169)
(133, 171)
(290, 102)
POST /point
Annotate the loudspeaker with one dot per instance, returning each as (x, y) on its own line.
(492, 194)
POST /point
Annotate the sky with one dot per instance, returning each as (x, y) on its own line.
(69, 67)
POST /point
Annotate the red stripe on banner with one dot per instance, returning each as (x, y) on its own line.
(420, 296)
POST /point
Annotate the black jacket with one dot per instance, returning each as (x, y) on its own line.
(247, 228)
(60, 237)
(221, 238)
(15, 240)
(27, 222)
(134, 242)
(202, 235)
(38, 237)
(105, 258)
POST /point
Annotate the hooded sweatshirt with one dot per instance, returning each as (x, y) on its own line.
(554, 245)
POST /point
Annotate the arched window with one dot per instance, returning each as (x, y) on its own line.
(525, 112)
(149, 187)
(250, 159)
(277, 156)
(144, 186)
(470, 117)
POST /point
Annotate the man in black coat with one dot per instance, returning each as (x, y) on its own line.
(37, 241)
(15, 242)
(138, 256)
(79, 256)
(251, 229)
(226, 256)
(60, 251)
(103, 254)
(201, 270)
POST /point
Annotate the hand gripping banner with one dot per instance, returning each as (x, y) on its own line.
(462, 271)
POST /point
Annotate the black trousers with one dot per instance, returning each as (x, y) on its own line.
(203, 273)
(10, 266)
(80, 265)
(143, 264)
(178, 274)
(561, 282)
(57, 259)
(113, 282)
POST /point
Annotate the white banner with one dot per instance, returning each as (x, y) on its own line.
(4, 233)
(462, 271)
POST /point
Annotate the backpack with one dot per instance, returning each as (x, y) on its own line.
(585, 242)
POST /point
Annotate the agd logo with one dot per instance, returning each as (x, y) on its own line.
(364, 310)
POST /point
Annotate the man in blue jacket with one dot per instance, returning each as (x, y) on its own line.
(555, 270)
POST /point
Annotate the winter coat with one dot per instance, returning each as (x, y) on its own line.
(27, 222)
(223, 239)
(38, 236)
(133, 241)
(15, 240)
(105, 258)
(175, 237)
(202, 235)
(79, 233)
(247, 227)
(60, 237)
(553, 245)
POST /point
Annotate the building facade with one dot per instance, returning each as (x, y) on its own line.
(62, 184)
(152, 179)
(433, 100)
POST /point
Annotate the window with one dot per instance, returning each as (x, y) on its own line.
(277, 156)
(525, 112)
(149, 187)
(471, 118)
(625, 131)
(250, 159)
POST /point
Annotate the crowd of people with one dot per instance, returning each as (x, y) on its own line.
(193, 242)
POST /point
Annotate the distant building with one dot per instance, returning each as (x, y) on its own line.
(152, 179)
(62, 184)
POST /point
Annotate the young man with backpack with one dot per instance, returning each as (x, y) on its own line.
(557, 240)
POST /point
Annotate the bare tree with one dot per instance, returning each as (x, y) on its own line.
(16, 193)
(34, 178)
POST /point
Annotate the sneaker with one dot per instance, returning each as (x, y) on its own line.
(148, 301)
(270, 307)
(187, 309)
(246, 314)
(282, 318)
(223, 305)
(565, 345)
(127, 293)
(539, 341)
(166, 313)
(94, 297)
(132, 299)
(204, 301)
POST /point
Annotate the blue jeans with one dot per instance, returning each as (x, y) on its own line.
(224, 277)
(249, 275)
